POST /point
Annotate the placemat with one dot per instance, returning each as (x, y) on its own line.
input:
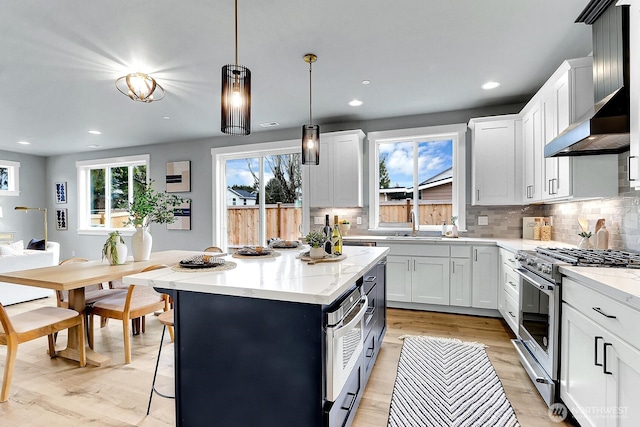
(273, 254)
(229, 265)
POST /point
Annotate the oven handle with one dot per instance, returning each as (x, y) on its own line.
(543, 285)
(341, 331)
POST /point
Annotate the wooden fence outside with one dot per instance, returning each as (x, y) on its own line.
(283, 221)
(429, 213)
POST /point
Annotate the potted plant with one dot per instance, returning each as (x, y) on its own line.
(316, 240)
(114, 249)
(149, 206)
(344, 227)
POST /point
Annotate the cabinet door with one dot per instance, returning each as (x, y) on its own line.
(430, 280)
(485, 277)
(532, 142)
(634, 71)
(321, 176)
(623, 393)
(493, 153)
(460, 283)
(557, 116)
(399, 278)
(582, 382)
(347, 171)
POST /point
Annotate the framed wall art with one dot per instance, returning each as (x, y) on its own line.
(61, 219)
(61, 192)
(178, 177)
(9, 176)
(182, 214)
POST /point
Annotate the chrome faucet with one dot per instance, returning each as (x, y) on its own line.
(414, 225)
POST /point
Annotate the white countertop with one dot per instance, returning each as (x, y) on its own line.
(621, 284)
(283, 278)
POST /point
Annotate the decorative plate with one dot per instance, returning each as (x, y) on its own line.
(254, 251)
(202, 261)
(285, 244)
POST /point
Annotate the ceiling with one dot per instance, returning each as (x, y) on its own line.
(59, 61)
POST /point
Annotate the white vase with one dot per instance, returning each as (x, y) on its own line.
(141, 244)
(317, 253)
(121, 251)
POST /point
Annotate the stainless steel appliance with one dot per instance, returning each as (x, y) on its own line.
(540, 303)
(344, 341)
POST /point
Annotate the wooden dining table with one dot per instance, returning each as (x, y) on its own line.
(74, 277)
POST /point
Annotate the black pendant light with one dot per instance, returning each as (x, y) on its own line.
(310, 132)
(236, 95)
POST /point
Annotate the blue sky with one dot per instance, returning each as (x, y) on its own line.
(433, 158)
(238, 172)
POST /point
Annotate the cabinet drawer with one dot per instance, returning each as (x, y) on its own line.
(597, 307)
(419, 249)
(460, 251)
(508, 258)
(511, 284)
(511, 313)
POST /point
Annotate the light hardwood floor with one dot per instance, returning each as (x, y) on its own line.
(56, 392)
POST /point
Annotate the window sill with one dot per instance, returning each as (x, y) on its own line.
(126, 232)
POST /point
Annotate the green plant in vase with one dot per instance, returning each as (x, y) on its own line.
(149, 206)
(114, 249)
(316, 240)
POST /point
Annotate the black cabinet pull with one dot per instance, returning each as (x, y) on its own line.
(599, 310)
(353, 401)
(595, 351)
(512, 315)
(604, 367)
(370, 279)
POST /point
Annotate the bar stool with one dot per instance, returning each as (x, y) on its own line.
(166, 318)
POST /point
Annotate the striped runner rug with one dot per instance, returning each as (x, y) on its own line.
(446, 382)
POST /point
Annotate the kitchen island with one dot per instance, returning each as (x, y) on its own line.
(251, 341)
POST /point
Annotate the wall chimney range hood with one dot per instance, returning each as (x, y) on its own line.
(604, 129)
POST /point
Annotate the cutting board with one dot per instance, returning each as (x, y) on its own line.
(312, 261)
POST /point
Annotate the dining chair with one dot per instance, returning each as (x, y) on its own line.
(91, 293)
(137, 302)
(213, 249)
(34, 324)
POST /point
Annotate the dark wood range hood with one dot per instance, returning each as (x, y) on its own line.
(605, 127)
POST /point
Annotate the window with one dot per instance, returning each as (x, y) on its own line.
(417, 172)
(105, 189)
(267, 178)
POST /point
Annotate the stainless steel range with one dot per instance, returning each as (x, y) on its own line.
(540, 302)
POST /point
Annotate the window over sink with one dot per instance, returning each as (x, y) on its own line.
(417, 173)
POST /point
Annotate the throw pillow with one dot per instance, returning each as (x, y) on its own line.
(8, 250)
(18, 246)
(37, 245)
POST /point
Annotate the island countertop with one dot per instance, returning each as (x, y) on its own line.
(283, 278)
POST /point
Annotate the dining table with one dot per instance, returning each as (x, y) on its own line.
(74, 277)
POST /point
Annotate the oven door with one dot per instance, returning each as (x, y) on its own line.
(345, 341)
(539, 332)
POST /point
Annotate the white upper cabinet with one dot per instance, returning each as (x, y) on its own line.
(496, 159)
(337, 180)
(532, 150)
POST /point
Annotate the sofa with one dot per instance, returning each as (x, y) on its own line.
(15, 258)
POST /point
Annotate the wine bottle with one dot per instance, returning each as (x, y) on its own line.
(336, 237)
(327, 232)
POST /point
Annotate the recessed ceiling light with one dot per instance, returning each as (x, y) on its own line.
(24, 142)
(490, 85)
(355, 103)
(94, 146)
(166, 117)
(269, 124)
(366, 82)
(95, 132)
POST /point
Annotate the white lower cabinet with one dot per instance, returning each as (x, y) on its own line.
(484, 291)
(600, 364)
(440, 274)
(509, 290)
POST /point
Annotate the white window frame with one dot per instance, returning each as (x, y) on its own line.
(455, 132)
(219, 156)
(83, 169)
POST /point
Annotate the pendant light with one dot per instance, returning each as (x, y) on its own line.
(310, 132)
(236, 95)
